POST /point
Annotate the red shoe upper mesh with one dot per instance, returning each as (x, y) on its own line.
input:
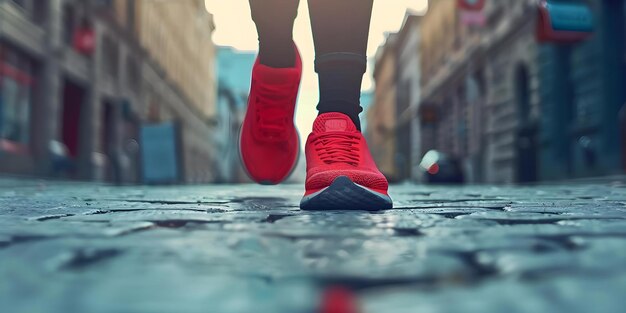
(331, 156)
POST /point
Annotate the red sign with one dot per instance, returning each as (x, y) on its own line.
(471, 5)
(84, 41)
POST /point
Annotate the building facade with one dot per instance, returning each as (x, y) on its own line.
(77, 86)
(177, 38)
(381, 115)
(453, 105)
(408, 79)
(177, 35)
(517, 110)
(511, 110)
(234, 74)
(483, 89)
(582, 90)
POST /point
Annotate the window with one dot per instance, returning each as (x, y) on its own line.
(16, 89)
(36, 10)
(69, 23)
(130, 16)
(133, 75)
(111, 57)
(22, 3)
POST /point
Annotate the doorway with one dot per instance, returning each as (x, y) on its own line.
(108, 142)
(73, 96)
(526, 143)
(623, 109)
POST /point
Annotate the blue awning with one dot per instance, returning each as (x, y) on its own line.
(564, 21)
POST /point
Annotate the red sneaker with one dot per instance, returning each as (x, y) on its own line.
(341, 174)
(269, 143)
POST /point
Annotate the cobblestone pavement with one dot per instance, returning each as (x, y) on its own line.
(86, 248)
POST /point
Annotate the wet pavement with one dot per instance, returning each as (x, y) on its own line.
(68, 247)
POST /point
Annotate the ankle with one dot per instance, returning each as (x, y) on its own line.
(277, 54)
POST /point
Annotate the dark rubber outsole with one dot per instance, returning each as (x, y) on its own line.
(343, 194)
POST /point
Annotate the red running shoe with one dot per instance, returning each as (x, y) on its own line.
(269, 143)
(341, 174)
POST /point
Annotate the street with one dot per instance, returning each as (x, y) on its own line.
(78, 247)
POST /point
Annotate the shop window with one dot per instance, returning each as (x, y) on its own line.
(16, 90)
(15, 103)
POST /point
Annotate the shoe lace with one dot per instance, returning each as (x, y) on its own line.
(339, 147)
(273, 117)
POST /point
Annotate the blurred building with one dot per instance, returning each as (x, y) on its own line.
(582, 89)
(393, 131)
(453, 110)
(381, 115)
(367, 99)
(408, 94)
(177, 36)
(234, 76)
(495, 93)
(80, 79)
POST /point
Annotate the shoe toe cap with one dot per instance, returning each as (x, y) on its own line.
(268, 164)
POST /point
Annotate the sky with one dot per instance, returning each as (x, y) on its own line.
(235, 28)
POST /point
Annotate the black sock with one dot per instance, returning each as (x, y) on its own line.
(340, 84)
(277, 53)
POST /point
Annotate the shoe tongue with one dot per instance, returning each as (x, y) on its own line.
(333, 122)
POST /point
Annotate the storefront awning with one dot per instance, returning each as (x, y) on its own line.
(564, 21)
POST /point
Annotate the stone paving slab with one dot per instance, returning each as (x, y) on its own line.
(68, 247)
